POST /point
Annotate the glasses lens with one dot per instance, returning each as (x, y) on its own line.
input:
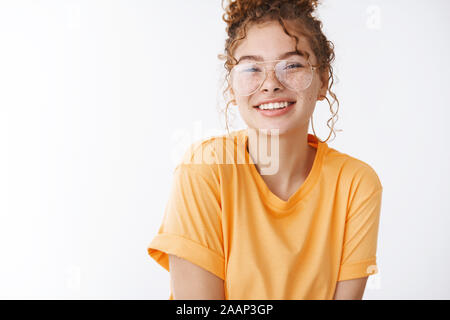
(246, 78)
(295, 74)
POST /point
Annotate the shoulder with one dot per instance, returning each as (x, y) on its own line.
(199, 152)
(215, 150)
(207, 156)
(353, 171)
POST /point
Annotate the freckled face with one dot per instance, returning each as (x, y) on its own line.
(270, 41)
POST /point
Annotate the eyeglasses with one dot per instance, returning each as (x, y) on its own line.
(295, 74)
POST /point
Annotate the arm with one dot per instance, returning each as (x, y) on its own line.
(191, 282)
(352, 289)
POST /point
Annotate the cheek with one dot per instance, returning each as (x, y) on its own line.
(243, 103)
(244, 110)
(312, 97)
(308, 98)
(306, 102)
(312, 93)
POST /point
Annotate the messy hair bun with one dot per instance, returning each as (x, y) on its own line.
(238, 11)
(239, 14)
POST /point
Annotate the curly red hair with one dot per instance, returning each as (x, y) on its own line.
(240, 14)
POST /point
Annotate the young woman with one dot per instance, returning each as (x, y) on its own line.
(307, 227)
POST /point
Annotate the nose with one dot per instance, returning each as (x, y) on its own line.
(271, 83)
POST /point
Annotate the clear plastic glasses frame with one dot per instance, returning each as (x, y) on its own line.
(273, 69)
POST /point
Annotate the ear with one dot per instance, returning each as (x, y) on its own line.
(324, 79)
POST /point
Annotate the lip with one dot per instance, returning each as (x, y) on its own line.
(276, 112)
(273, 101)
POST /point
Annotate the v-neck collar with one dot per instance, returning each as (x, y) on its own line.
(300, 194)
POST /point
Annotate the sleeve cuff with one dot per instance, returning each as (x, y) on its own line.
(164, 244)
(358, 269)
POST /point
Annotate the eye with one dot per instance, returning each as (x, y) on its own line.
(294, 65)
(251, 69)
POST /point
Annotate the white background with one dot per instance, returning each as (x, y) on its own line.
(95, 95)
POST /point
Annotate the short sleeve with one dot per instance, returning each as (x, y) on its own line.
(361, 228)
(191, 228)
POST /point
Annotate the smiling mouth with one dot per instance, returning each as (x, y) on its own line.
(290, 103)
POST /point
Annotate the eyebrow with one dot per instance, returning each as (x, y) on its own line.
(283, 56)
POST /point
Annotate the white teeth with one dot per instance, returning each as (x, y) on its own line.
(276, 105)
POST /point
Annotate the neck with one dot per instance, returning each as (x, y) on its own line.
(283, 159)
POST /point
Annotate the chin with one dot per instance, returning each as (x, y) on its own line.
(271, 129)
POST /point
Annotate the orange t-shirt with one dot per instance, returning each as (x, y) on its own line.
(222, 217)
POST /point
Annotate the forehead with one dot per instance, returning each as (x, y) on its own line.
(269, 41)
